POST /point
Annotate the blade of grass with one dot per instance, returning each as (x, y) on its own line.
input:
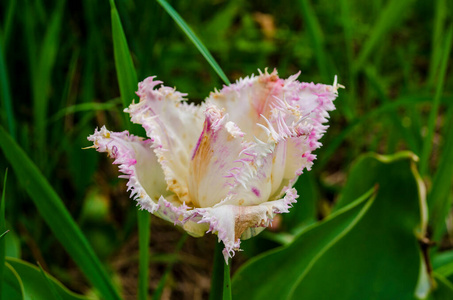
(53, 211)
(351, 86)
(127, 80)
(317, 37)
(194, 39)
(390, 16)
(41, 79)
(8, 22)
(91, 106)
(163, 280)
(440, 15)
(373, 78)
(3, 234)
(6, 95)
(427, 145)
(3, 230)
(125, 70)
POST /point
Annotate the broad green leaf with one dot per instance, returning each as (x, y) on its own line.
(12, 287)
(53, 211)
(194, 39)
(380, 257)
(36, 286)
(272, 275)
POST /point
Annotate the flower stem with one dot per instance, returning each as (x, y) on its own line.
(217, 273)
(226, 282)
(144, 235)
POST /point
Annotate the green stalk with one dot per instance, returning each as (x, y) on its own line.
(144, 235)
(226, 282)
(217, 273)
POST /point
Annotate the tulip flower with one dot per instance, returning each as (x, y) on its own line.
(226, 166)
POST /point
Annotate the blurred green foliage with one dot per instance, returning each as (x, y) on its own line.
(58, 81)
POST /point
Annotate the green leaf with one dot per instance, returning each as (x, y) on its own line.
(6, 94)
(272, 275)
(194, 39)
(443, 264)
(53, 211)
(36, 286)
(50, 286)
(125, 70)
(12, 287)
(380, 257)
(3, 231)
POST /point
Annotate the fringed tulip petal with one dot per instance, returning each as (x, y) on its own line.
(228, 165)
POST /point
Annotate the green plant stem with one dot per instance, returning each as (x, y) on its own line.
(217, 273)
(226, 282)
(144, 229)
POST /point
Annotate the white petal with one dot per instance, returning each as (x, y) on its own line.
(248, 100)
(137, 161)
(174, 127)
(230, 222)
(216, 156)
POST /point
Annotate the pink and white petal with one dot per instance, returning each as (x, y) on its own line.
(137, 162)
(216, 155)
(299, 118)
(230, 222)
(173, 126)
(248, 100)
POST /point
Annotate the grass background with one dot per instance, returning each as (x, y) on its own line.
(58, 82)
